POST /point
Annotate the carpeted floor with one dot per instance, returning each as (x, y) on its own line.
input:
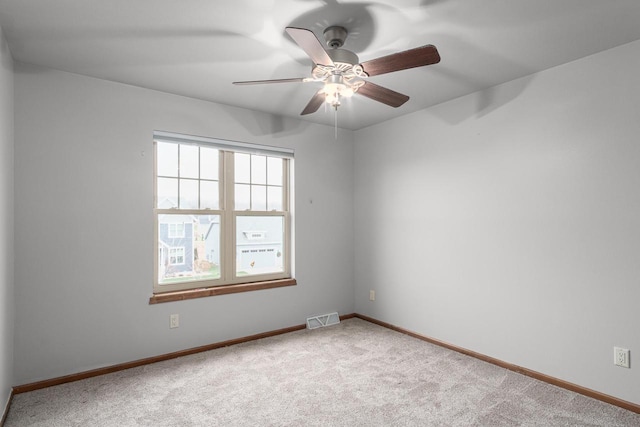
(351, 374)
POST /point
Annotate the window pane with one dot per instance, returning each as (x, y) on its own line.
(242, 166)
(194, 255)
(274, 197)
(167, 157)
(176, 229)
(274, 171)
(188, 161)
(167, 193)
(243, 197)
(188, 194)
(209, 198)
(258, 169)
(258, 198)
(259, 245)
(208, 163)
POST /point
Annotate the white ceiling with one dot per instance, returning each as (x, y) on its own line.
(197, 48)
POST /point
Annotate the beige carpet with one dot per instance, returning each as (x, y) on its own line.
(351, 374)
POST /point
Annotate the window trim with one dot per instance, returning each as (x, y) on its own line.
(222, 144)
(228, 281)
(219, 290)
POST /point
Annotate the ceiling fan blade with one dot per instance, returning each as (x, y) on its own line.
(418, 57)
(314, 103)
(382, 94)
(310, 44)
(260, 82)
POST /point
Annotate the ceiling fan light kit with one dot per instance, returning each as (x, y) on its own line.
(342, 74)
(336, 87)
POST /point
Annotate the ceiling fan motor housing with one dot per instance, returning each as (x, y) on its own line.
(335, 36)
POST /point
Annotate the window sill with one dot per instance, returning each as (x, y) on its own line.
(219, 290)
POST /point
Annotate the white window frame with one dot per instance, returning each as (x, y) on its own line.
(226, 212)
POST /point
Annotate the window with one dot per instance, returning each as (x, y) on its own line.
(176, 256)
(176, 230)
(221, 213)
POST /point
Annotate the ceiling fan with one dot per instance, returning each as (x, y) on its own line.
(341, 72)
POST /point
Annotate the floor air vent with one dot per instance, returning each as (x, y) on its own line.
(323, 320)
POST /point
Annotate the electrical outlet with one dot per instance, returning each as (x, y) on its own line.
(621, 357)
(174, 321)
(372, 295)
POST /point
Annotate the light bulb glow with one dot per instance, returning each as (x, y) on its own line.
(347, 92)
(334, 91)
(333, 99)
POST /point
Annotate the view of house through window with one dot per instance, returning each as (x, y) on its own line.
(221, 213)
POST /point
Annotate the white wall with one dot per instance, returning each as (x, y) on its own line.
(6, 222)
(508, 221)
(84, 186)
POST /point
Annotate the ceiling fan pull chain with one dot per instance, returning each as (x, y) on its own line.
(335, 121)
